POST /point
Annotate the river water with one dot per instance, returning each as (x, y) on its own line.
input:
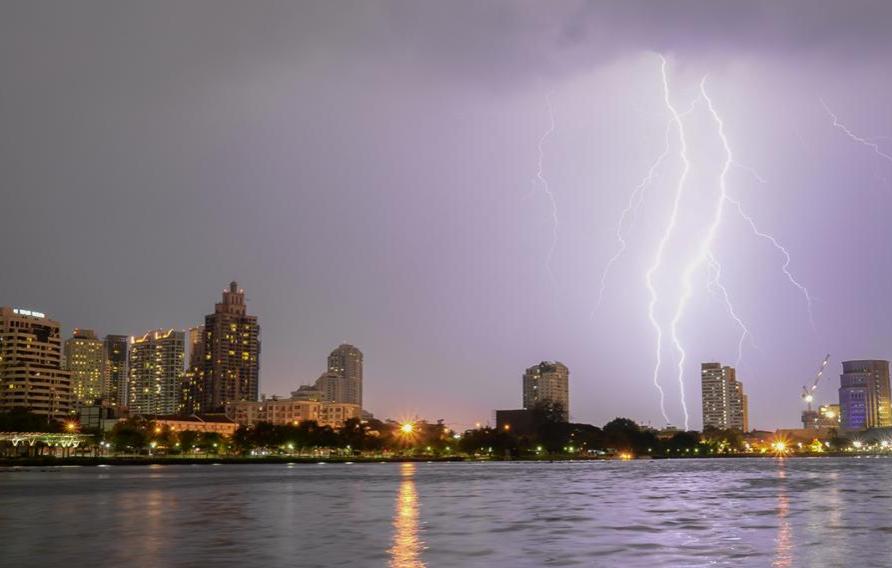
(708, 512)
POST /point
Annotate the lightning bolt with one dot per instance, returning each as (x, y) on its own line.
(715, 286)
(636, 198)
(547, 189)
(703, 252)
(863, 141)
(704, 255)
(785, 268)
(670, 228)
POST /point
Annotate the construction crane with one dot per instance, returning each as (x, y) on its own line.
(808, 393)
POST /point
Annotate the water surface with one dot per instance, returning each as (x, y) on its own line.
(709, 512)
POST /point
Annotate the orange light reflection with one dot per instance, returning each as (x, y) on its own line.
(407, 544)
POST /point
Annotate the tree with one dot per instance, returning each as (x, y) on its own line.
(130, 435)
(188, 440)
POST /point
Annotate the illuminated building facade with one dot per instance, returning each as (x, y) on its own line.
(194, 423)
(156, 372)
(114, 377)
(31, 372)
(547, 382)
(864, 395)
(231, 370)
(724, 403)
(192, 391)
(826, 416)
(292, 411)
(85, 362)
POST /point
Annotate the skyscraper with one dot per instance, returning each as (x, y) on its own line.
(156, 372)
(232, 353)
(342, 382)
(114, 389)
(725, 405)
(31, 373)
(192, 391)
(85, 361)
(547, 382)
(864, 395)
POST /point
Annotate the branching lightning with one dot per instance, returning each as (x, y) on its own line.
(715, 286)
(785, 268)
(636, 198)
(863, 141)
(547, 189)
(670, 228)
(703, 253)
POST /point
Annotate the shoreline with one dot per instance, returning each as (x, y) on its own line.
(49, 461)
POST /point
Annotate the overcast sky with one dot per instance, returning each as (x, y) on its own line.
(368, 172)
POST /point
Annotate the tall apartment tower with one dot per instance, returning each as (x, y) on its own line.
(85, 361)
(192, 391)
(114, 376)
(232, 353)
(864, 395)
(342, 382)
(725, 405)
(31, 372)
(156, 372)
(547, 382)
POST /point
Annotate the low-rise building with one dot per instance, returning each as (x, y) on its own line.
(216, 423)
(292, 411)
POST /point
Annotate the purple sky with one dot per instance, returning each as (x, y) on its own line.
(368, 173)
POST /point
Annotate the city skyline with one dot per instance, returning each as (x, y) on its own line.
(450, 206)
(724, 404)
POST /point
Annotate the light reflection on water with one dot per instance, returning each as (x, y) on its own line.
(406, 550)
(784, 551)
(719, 512)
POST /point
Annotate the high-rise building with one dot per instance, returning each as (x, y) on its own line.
(346, 362)
(192, 391)
(31, 372)
(864, 395)
(231, 353)
(85, 361)
(156, 372)
(341, 382)
(725, 405)
(114, 388)
(547, 382)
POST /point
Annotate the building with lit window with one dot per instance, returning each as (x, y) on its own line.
(547, 382)
(115, 373)
(282, 411)
(341, 382)
(825, 417)
(724, 403)
(85, 362)
(231, 351)
(192, 391)
(31, 371)
(217, 424)
(157, 366)
(864, 395)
